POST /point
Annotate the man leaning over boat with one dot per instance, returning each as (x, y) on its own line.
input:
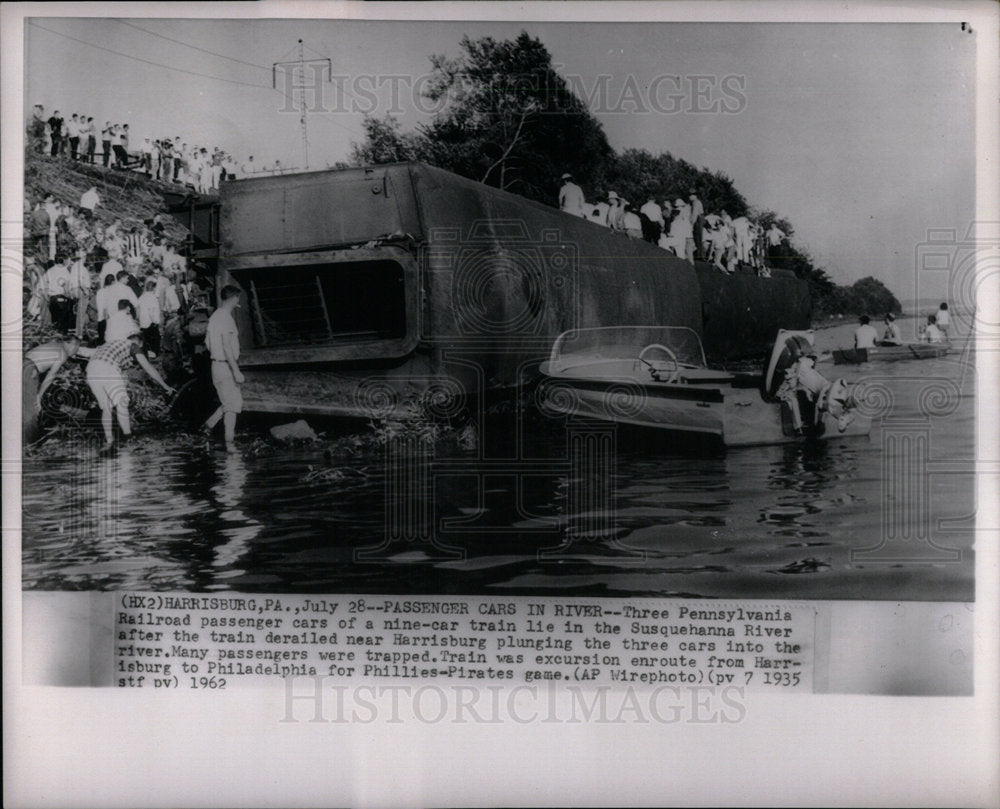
(827, 397)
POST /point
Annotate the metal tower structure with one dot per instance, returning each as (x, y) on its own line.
(304, 75)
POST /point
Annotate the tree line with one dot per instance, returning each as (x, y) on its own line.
(508, 119)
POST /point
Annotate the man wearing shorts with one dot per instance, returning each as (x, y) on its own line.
(107, 382)
(223, 341)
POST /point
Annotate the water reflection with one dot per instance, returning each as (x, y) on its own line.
(663, 518)
(229, 494)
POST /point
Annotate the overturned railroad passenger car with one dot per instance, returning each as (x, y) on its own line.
(368, 289)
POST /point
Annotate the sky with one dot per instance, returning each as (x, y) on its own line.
(862, 135)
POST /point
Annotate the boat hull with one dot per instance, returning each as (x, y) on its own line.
(910, 351)
(734, 415)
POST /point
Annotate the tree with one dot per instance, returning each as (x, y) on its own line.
(517, 124)
(506, 118)
(636, 174)
(871, 296)
(384, 143)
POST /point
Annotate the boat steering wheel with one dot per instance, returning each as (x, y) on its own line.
(653, 370)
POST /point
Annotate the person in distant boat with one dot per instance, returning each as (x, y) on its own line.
(891, 336)
(571, 196)
(943, 319)
(932, 334)
(865, 335)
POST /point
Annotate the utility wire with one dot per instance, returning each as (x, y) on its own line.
(189, 45)
(147, 61)
(182, 70)
(179, 69)
(343, 89)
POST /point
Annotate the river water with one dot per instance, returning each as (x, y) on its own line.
(890, 516)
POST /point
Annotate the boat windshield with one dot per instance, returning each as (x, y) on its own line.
(627, 343)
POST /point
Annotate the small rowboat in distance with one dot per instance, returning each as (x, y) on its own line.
(890, 353)
(657, 377)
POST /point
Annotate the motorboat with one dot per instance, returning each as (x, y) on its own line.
(657, 377)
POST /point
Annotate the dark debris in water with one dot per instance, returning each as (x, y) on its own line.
(336, 475)
(810, 565)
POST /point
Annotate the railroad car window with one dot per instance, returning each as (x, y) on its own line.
(320, 303)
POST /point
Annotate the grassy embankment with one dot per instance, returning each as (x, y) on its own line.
(126, 196)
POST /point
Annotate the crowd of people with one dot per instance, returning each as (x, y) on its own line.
(78, 268)
(681, 227)
(115, 293)
(168, 159)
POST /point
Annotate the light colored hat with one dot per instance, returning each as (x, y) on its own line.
(567, 176)
(612, 195)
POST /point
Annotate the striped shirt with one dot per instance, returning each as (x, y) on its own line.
(118, 353)
(135, 245)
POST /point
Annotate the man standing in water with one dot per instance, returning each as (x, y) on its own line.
(107, 382)
(223, 341)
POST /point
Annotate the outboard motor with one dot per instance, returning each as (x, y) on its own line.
(788, 348)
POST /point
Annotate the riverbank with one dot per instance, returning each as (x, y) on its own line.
(919, 313)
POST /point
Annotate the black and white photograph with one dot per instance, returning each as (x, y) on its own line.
(443, 308)
(674, 323)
